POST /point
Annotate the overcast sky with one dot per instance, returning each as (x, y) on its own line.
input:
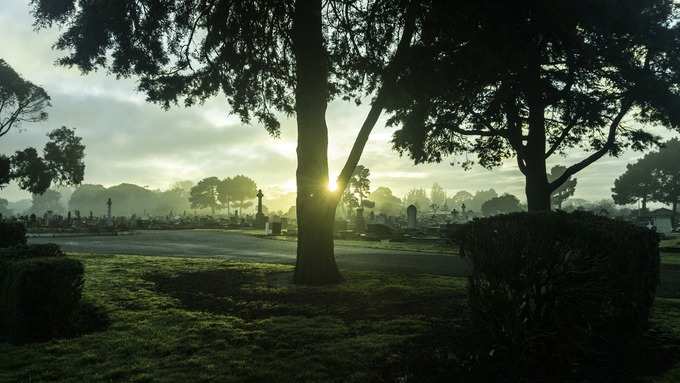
(128, 140)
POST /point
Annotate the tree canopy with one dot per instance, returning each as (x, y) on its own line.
(530, 80)
(61, 163)
(269, 58)
(507, 203)
(20, 100)
(655, 177)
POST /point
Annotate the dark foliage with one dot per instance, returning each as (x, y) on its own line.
(23, 251)
(12, 234)
(39, 297)
(551, 291)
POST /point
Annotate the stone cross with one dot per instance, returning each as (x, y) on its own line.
(259, 201)
(108, 208)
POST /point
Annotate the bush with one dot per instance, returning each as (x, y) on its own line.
(550, 289)
(12, 234)
(39, 297)
(31, 251)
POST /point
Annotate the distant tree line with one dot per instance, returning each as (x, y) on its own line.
(216, 194)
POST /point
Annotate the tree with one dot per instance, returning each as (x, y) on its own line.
(638, 183)
(360, 184)
(386, 202)
(242, 190)
(50, 200)
(458, 199)
(507, 203)
(564, 191)
(61, 163)
(532, 79)
(20, 100)
(481, 196)
(666, 170)
(655, 177)
(205, 194)
(418, 198)
(438, 195)
(267, 57)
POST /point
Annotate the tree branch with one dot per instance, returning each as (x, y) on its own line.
(611, 140)
(389, 77)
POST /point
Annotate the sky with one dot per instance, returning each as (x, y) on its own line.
(130, 140)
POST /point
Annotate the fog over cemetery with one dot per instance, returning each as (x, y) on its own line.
(339, 191)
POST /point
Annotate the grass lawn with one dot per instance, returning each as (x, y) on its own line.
(205, 319)
(416, 246)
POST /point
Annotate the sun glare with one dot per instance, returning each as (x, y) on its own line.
(332, 185)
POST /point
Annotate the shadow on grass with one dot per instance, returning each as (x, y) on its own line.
(450, 348)
(264, 295)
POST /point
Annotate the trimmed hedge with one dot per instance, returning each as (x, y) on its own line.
(12, 234)
(552, 290)
(40, 293)
(32, 251)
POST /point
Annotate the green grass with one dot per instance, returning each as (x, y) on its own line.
(413, 246)
(206, 319)
(211, 332)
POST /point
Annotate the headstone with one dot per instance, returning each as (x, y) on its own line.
(411, 214)
(276, 228)
(260, 219)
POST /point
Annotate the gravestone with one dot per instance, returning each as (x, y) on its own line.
(109, 220)
(411, 214)
(276, 228)
(260, 219)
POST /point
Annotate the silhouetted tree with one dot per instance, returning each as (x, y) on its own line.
(360, 184)
(61, 163)
(564, 191)
(533, 79)
(205, 194)
(655, 177)
(638, 183)
(267, 57)
(666, 170)
(507, 203)
(20, 100)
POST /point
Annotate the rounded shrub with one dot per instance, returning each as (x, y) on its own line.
(12, 234)
(548, 290)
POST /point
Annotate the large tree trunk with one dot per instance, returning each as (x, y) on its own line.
(537, 185)
(674, 217)
(315, 205)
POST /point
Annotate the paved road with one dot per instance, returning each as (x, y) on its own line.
(240, 247)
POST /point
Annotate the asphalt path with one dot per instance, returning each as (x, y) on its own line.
(246, 248)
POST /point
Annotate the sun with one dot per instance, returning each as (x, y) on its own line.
(332, 185)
